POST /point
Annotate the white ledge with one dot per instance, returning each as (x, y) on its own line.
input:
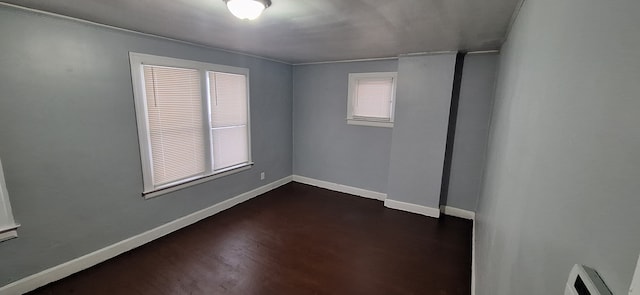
(369, 123)
(9, 232)
(197, 180)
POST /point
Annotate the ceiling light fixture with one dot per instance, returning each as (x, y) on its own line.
(247, 9)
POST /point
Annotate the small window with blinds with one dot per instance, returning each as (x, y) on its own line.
(193, 121)
(371, 99)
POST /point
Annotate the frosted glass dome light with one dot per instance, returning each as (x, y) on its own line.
(247, 9)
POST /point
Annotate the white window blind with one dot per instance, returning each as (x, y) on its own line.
(174, 109)
(371, 99)
(228, 119)
(193, 121)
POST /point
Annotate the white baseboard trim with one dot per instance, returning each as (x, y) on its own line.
(413, 208)
(340, 188)
(63, 270)
(457, 212)
(473, 258)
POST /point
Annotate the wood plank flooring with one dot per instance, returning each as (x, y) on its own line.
(297, 239)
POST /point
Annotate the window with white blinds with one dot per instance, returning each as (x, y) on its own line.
(193, 121)
(371, 99)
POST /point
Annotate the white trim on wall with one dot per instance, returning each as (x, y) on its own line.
(635, 282)
(457, 212)
(340, 188)
(198, 180)
(345, 61)
(8, 235)
(379, 58)
(393, 204)
(68, 268)
(413, 208)
(84, 21)
(8, 225)
(428, 53)
(369, 123)
(150, 187)
(352, 98)
(63, 270)
(483, 52)
(474, 272)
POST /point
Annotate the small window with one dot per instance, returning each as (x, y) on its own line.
(8, 227)
(193, 121)
(371, 99)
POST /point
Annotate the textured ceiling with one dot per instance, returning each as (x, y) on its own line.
(299, 31)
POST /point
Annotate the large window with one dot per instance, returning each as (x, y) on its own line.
(371, 99)
(7, 224)
(193, 121)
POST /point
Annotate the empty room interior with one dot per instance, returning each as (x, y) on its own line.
(320, 147)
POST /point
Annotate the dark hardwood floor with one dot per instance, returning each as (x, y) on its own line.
(297, 239)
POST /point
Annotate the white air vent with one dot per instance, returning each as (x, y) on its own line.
(585, 281)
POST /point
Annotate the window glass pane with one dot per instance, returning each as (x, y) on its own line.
(174, 110)
(373, 98)
(229, 146)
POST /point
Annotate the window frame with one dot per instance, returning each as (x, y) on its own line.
(351, 99)
(137, 61)
(10, 230)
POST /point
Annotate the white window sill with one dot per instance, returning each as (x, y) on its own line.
(174, 187)
(10, 232)
(369, 123)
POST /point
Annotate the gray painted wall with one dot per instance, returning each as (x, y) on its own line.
(420, 132)
(563, 159)
(325, 147)
(472, 130)
(69, 144)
